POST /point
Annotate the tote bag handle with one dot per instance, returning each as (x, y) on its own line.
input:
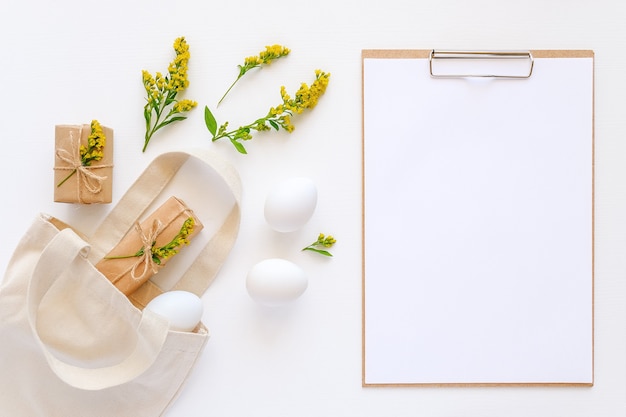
(60, 255)
(147, 188)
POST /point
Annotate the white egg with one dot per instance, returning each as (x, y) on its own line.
(290, 204)
(183, 309)
(275, 281)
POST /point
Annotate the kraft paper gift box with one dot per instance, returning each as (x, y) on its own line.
(87, 184)
(128, 265)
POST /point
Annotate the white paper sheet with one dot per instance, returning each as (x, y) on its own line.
(478, 230)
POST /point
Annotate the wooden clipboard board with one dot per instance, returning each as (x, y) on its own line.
(477, 221)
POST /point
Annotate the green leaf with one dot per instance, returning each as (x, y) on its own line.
(320, 251)
(170, 120)
(240, 148)
(274, 124)
(210, 121)
(170, 97)
(175, 119)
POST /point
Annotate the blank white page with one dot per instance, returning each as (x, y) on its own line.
(478, 224)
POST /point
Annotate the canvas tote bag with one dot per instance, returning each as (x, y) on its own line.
(71, 344)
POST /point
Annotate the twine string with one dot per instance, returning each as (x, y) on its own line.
(146, 259)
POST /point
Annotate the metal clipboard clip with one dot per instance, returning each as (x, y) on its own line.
(482, 64)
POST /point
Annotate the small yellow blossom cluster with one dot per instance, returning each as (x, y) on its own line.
(162, 91)
(171, 249)
(93, 151)
(95, 142)
(326, 241)
(278, 117)
(265, 57)
(322, 241)
(183, 106)
(306, 97)
(176, 79)
(178, 67)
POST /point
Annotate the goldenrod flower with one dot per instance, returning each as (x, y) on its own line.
(251, 61)
(161, 92)
(265, 57)
(307, 97)
(93, 151)
(277, 117)
(321, 242)
(285, 121)
(184, 105)
(181, 239)
(95, 142)
(273, 52)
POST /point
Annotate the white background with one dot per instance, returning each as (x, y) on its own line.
(70, 61)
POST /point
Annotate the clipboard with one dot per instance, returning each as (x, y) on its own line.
(477, 218)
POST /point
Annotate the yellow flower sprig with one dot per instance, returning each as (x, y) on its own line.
(278, 117)
(168, 250)
(181, 239)
(321, 243)
(93, 151)
(162, 108)
(265, 57)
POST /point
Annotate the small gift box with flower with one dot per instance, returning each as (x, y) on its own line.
(150, 245)
(83, 163)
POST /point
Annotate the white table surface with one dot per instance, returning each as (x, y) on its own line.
(70, 62)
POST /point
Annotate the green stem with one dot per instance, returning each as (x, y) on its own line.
(250, 126)
(139, 253)
(145, 143)
(229, 88)
(66, 178)
(121, 257)
(242, 71)
(150, 131)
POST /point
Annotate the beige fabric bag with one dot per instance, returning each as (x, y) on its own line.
(73, 345)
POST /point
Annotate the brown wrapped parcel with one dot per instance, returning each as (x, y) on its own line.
(139, 255)
(77, 183)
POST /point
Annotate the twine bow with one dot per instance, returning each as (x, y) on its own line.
(89, 179)
(147, 239)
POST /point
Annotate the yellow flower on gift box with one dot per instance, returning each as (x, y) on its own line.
(181, 239)
(93, 151)
(159, 253)
(95, 142)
